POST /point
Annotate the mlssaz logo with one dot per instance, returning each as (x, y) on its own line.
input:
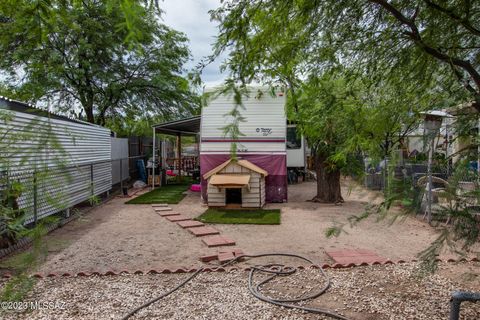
(264, 131)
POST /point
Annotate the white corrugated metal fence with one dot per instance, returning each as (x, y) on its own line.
(62, 155)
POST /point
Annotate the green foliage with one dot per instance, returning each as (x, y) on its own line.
(94, 200)
(12, 218)
(367, 104)
(240, 216)
(334, 32)
(407, 70)
(43, 149)
(358, 74)
(96, 60)
(232, 129)
(334, 231)
(17, 288)
(331, 116)
(455, 215)
(20, 285)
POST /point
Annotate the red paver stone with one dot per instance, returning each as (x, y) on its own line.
(168, 213)
(217, 241)
(177, 217)
(190, 224)
(203, 231)
(356, 256)
(225, 256)
(238, 252)
(209, 257)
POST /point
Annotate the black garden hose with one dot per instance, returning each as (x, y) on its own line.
(275, 270)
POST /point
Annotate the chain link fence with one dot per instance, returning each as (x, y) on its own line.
(46, 191)
(457, 182)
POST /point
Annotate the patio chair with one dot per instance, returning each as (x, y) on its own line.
(461, 197)
(467, 197)
(442, 194)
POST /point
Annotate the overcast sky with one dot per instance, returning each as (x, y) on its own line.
(192, 18)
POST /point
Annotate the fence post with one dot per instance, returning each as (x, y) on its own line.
(35, 199)
(385, 174)
(121, 176)
(92, 186)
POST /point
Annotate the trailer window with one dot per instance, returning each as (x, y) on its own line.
(293, 141)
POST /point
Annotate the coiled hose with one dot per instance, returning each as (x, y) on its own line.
(255, 289)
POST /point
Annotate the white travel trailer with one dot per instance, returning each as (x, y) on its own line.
(262, 143)
(296, 148)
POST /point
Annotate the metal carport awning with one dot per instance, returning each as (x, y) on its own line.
(185, 127)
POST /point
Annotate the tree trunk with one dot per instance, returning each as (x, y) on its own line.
(101, 120)
(89, 114)
(328, 181)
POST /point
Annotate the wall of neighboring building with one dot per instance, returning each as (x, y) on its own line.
(73, 152)
(416, 139)
(120, 169)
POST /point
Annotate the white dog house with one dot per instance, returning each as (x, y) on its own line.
(236, 183)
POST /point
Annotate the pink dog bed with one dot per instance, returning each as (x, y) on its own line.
(195, 188)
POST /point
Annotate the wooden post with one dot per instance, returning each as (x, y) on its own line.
(179, 156)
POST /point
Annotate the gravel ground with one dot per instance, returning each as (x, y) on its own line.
(373, 292)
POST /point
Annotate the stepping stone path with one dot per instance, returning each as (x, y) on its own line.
(218, 240)
(199, 229)
(224, 256)
(177, 217)
(203, 231)
(157, 209)
(168, 213)
(356, 256)
(190, 224)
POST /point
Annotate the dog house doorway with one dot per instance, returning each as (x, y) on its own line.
(233, 195)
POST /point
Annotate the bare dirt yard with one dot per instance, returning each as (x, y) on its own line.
(363, 293)
(117, 236)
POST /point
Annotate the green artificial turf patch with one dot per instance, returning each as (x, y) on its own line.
(240, 216)
(171, 194)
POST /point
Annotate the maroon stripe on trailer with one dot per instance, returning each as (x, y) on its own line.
(244, 140)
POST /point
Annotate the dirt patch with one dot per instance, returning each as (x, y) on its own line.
(116, 236)
(303, 226)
